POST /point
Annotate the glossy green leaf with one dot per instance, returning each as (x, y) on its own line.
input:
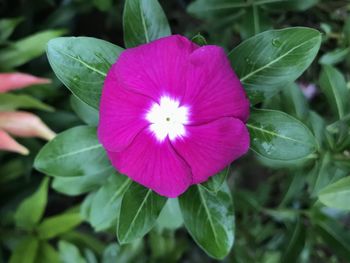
(333, 85)
(287, 53)
(57, 225)
(26, 49)
(144, 21)
(47, 254)
(7, 26)
(26, 251)
(69, 253)
(104, 205)
(85, 112)
(82, 63)
(75, 152)
(139, 211)
(278, 136)
(81, 184)
(209, 218)
(337, 195)
(9, 102)
(32, 209)
(215, 182)
(334, 57)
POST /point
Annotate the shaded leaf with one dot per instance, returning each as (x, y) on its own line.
(31, 210)
(143, 22)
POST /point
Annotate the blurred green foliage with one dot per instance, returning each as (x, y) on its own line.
(290, 209)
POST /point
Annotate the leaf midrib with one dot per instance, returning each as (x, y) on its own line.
(277, 135)
(243, 79)
(206, 208)
(82, 62)
(76, 152)
(143, 20)
(137, 215)
(336, 95)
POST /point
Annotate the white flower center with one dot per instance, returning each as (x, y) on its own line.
(168, 118)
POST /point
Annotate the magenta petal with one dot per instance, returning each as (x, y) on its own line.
(213, 89)
(156, 69)
(154, 165)
(122, 115)
(209, 148)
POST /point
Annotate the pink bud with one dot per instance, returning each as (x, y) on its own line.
(24, 124)
(13, 81)
(9, 144)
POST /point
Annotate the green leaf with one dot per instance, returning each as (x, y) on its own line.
(287, 54)
(123, 254)
(104, 206)
(9, 102)
(26, 49)
(78, 185)
(333, 85)
(334, 235)
(25, 251)
(84, 240)
(276, 135)
(57, 225)
(85, 112)
(337, 195)
(7, 26)
(318, 127)
(334, 57)
(294, 102)
(69, 253)
(103, 5)
(31, 210)
(298, 5)
(170, 217)
(254, 21)
(139, 211)
(215, 182)
(75, 152)
(143, 22)
(199, 40)
(82, 63)
(295, 244)
(47, 254)
(209, 218)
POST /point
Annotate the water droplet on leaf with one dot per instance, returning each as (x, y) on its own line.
(276, 42)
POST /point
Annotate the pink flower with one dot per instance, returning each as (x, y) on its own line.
(172, 114)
